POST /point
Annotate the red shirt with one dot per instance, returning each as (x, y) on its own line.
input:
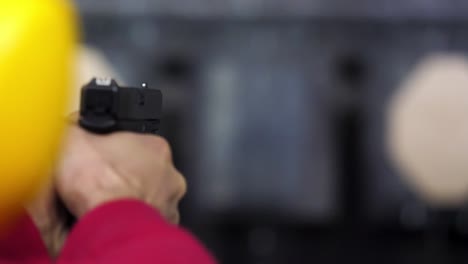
(115, 233)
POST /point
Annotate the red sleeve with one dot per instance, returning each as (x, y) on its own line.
(23, 244)
(130, 232)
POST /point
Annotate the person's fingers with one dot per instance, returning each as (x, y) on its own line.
(178, 192)
(174, 218)
(45, 217)
(57, 240)
(180, 186)
(41, 209)
(128, 165)
(169, 210)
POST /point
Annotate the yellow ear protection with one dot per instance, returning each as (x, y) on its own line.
(37, 43)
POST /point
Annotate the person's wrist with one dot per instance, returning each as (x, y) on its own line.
(91, 203)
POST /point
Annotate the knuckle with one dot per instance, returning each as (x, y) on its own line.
(162, 146)
(182, 187)
(178, 189)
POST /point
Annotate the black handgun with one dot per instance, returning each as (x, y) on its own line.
(107, 107)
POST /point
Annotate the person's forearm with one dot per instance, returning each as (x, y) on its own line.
(129, 231)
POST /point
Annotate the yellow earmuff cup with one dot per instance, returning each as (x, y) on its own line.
(37, 44)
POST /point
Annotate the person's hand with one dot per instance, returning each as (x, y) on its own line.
(48, 221)
(97, 169)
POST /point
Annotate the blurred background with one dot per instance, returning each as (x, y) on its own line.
(276, 110)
